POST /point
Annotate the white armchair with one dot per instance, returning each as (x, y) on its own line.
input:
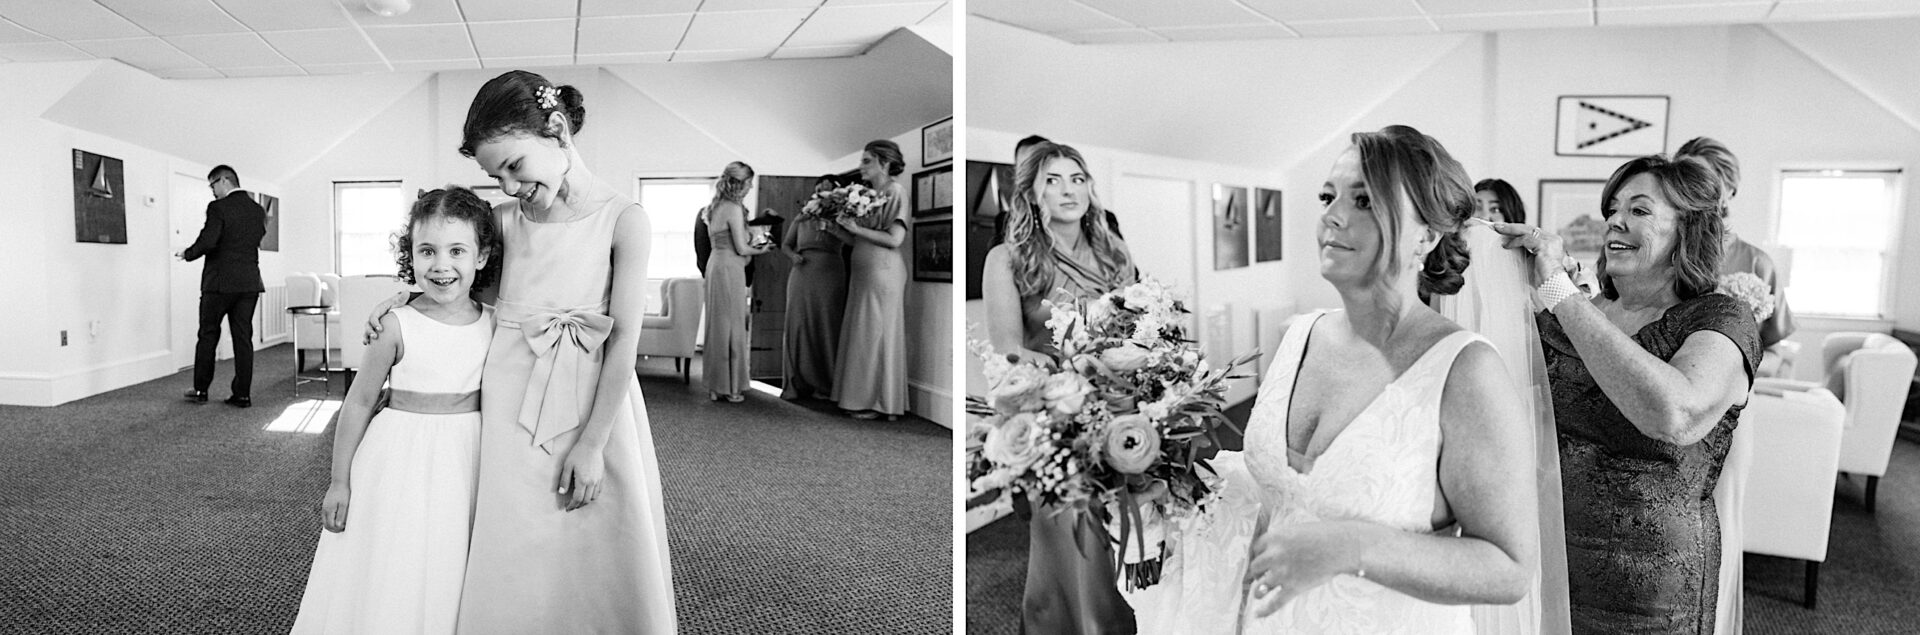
(309, 334)
(1787, 508)
(675, 330)
(358, 296)
(1870, 373)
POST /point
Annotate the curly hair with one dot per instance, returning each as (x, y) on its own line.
(512, 103)
(456, 203)
(1401, 166)
(1033, 244)
(731, 188)
(1693, 187)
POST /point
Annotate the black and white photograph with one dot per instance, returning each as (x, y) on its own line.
(476, 316)
(1583, 316)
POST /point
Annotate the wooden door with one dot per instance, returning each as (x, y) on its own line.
(783, 195)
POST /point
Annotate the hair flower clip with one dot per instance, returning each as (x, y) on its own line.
(549, 97)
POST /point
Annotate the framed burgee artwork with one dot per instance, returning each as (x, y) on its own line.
(1603, 126)
(1571, 208)
(936, 142)
(270, 203)
(99, 199)
(1230, 227)
(933, 250)
(1266, 225)
(989, 191)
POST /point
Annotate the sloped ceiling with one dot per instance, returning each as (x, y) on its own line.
(1875, 57)
(274, 125)
(1179, 100)
(806, 112)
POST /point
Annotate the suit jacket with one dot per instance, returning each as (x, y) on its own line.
(231, 242)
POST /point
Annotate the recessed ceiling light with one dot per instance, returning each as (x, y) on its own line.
(389, 8)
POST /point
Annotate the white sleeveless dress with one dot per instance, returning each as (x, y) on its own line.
(1383, 468)
(399, 566)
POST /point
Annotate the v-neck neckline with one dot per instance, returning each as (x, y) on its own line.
(1286, 422)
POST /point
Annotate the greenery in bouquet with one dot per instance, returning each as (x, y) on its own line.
(853, 200)
(1115, 427)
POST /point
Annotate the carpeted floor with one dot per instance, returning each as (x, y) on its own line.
(136, 512)
(1867, 584)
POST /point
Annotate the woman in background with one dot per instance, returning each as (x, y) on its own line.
(871, 379)
(816, 302)
(727, 347)
(1057, 247)
(1499, 203)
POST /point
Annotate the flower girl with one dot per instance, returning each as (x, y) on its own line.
(400, 507)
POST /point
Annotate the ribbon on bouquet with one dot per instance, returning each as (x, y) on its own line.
(562, 342)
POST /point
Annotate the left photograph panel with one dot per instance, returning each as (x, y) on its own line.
(438, 316)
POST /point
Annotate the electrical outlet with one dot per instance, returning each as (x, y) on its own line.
(93, 330)
(63, 338)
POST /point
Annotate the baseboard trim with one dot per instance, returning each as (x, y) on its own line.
(47, 389)
(935, 402)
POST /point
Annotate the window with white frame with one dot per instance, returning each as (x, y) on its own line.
(672, 205)
(1840, 227)
(367, 214)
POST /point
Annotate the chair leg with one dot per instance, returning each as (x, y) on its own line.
(1813, 583)
(1873, 487)
(686, 371)
(299, 361)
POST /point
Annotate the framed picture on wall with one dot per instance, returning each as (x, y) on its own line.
(1611, 126)
(936, 142)
(1266, 225)
(99, 199)
(933, 250)
(1230, 227)
(1571, 208)
(933, 192)
(270, 203)
(989, 188)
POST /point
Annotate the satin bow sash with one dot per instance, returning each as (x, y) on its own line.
(563, 343)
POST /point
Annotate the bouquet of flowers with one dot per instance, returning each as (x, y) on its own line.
(1750, 289)
(1113, 428)
(853, 200)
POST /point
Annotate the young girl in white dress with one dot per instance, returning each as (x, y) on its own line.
(400, 507)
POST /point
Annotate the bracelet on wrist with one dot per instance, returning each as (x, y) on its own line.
(1555, 289)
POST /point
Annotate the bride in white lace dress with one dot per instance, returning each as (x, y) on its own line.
(1388, 477)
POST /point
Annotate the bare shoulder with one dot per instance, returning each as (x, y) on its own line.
(633, 218)
(1000, 256)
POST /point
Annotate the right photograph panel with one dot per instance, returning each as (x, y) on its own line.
(1490, 317)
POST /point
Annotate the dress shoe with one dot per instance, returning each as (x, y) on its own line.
(197, 396)
(240, 402)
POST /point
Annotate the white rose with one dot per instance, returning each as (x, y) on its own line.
(1067, 392)
(1125, 357)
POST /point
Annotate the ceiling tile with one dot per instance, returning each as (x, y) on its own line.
(633, 34)
(1156, 13)
(423, 12)
(436, 65)
(424, 42)
(499, 10)
(1844, 9)
(327, 46)
(229, 49)
(1603, 5)
(10, 34)
(722, 56)
(1290, 10)
(1045, 17)
(190, 73)
(345, 69)
(1112, 36)
(756, 5)
(598, 8)
(1449, 7)
(858, 24)
(149, 53)
(1514, 21)
(42, 52)
(1345, 28)
(741, 30)
(838, 50)
(176, 17)
(848, 3)
(263, 71)
(1242, 32)
(535, 38)
(280, 15)
(623, 58)
(531, 62)
(69, 20)
(1695, 14)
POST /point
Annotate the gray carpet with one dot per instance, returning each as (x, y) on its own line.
(135, 512)
(1867, 585)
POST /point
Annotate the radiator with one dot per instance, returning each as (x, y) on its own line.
(270, 321)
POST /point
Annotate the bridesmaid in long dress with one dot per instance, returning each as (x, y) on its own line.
(1056, 247)
(816, 302)
(569, 534)
(727, 348)
(871, 379)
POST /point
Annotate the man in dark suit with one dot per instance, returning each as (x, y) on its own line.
(230, 284)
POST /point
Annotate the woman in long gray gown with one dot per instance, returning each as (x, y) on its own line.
(724, 368)
(871, 379)
(816, 305)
